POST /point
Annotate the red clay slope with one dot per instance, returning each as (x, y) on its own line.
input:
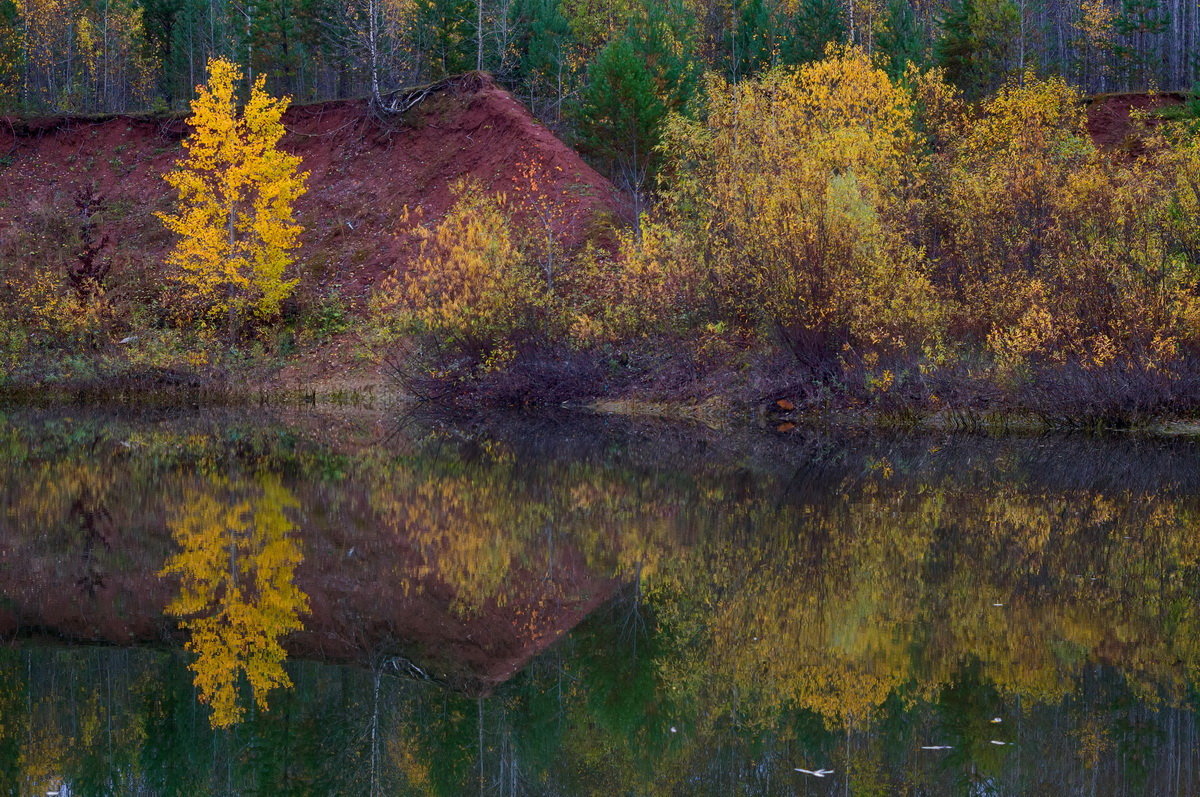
(1110, 117)
(364, 172)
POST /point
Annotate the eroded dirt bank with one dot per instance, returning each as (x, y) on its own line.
(365, 169)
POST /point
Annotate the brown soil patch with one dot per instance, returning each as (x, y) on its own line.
(1112, 118)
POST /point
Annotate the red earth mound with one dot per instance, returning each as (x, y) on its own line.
(365, 169)
(1111, 117)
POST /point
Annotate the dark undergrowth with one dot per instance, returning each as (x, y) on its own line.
(968, 393)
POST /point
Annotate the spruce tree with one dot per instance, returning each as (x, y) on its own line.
(10, 57)
(901, 40)
(1138, 22)
(542, 43)
(620, 111)
(810, 29)
(648, 71)
(663, 36)
(957, 48)
(976, 43)
(751, 38)
(444, 32)
(274, 41)
(997, 25)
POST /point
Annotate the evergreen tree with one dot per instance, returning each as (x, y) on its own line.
(1138, 22)
(635, 81)
(976, 43)
(751, 38)
(620, 111)
(997, 27)
(901, 39)
(10, 57)
(957, 48)
(178, 36)
(158, 21)
(273, 36)
(444, 33)
(664, 37)
(810, 29)
(543, 41)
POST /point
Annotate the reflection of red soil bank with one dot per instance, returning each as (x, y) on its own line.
(369, 594)
(364, 171)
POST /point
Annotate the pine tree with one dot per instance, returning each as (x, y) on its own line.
(901, 40)
(957, 48)
(444, 32)
(10, 57)
(664, 37)
(636, 80)
(976, 43)
(1138, 22)
(814, 25)
(177, 33)
(751, 39)
(997, 27)
(282, 36)
(236, 189)
(543, 42)
(620, 111)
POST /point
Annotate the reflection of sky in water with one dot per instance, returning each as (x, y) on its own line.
(559, 611)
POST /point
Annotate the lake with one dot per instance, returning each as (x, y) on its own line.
(305, 602)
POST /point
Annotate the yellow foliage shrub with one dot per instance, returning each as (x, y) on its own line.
(470, 285)
(13, 342)
(786, 209)
(651, 286)
(1054, 250)
(53, 309)
(1180, 162)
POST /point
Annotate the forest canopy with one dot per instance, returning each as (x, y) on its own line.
(565, 56)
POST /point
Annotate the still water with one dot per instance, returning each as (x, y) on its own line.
(298, 603)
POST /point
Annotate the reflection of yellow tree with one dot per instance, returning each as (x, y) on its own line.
(836, 605)
(237, 595)
(477, 525)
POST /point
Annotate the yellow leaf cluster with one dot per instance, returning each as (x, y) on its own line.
(236, 190)
(52, 308)
(238, 597)
(470, 284)
(1061, 252)
(785, 208)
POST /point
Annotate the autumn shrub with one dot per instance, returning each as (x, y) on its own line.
(649, 286)
(785, 213)
(46, 291)
(13, 345)
(58, 314)
(1179, 162)
(470, 292)
(1053, 252)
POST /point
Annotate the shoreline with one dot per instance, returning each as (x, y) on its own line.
(718, 412)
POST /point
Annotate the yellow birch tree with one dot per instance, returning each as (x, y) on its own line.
(234, 215)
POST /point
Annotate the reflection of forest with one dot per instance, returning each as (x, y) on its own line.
(833, 604)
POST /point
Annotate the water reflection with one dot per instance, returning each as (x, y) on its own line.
(578, 610)
(237, 593)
